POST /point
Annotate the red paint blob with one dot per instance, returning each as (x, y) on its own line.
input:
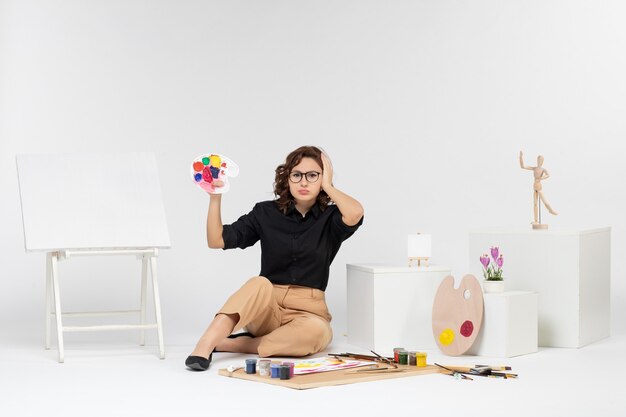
(224, 164)
(467, 328)
(198, 166)
(206, 175)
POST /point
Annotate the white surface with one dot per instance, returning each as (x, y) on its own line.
(419, 246)
(422, 105)
(123, 381)
(570, 269)
(374, 268)
(552, 231)
(392, 307)
(449, 90)
(77, 201)
(509, 325)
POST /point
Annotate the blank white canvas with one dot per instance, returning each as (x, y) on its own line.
(86, 201)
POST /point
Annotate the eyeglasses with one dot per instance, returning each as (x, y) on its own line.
(311, 176)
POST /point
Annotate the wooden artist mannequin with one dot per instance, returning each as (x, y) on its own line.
(540, 173)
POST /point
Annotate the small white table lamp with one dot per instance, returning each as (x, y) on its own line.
(418, 248)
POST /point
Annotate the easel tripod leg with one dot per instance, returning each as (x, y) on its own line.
(144, 287)
(48, 297)
(57, 305)
(157, 305)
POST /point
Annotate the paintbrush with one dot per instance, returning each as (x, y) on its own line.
(481, 371)
(357, 356)
(504, 375)
(370, 357)
(455, 374)
(495, 368)
(375, 369)
(378, 370)
(385, 360)
(462, 369)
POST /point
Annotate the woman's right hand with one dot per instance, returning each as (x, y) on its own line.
(217, 184)
(214, 227)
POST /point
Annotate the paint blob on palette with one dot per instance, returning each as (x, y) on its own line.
(457, 314)
(210, 170)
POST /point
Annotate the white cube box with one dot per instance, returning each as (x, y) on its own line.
(509, 325)
(391, 306)
(569, 269)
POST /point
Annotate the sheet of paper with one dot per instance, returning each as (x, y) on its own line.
(310, 366)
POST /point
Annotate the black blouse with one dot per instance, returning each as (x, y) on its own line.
(294, 249)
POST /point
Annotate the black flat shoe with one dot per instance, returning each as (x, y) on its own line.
(198, 363)
(236, 335)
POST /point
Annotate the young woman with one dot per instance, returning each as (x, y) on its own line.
(284, 309)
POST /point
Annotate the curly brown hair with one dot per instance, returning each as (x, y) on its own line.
(281, 182)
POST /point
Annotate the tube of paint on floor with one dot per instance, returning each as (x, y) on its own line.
(421, 359)
(292, 367)
(395, 354)
(275, 370)
(284, 371)
(264, 367)
(251, 366)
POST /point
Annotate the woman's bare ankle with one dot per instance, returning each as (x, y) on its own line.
(202, 349)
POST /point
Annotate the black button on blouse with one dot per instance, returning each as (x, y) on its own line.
(294, 249)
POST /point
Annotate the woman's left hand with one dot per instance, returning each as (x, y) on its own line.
(327, 175)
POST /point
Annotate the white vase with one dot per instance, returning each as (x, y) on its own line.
(493, 286)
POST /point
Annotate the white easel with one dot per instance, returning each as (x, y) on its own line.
(94, 215)
(147, 256)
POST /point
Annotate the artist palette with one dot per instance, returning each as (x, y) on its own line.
(209, 168)
(457, 314)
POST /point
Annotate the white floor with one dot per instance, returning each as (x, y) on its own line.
(132, 381)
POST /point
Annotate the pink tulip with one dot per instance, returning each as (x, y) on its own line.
(494, 252)
(500, 261)
(484, 260)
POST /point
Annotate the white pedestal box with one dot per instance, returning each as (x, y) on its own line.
(571, 272)
(390, 306)
(509, 325)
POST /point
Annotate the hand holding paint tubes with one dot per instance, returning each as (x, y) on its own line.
(211, 171)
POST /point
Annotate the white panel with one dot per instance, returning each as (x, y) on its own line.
(360, 308)
(548, 262)
(77, 201)
(404, 306)
(522, 335)
(595, 286)
(509, 325)
(399, 303)
(492, 339)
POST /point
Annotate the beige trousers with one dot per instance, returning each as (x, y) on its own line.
(290, 320)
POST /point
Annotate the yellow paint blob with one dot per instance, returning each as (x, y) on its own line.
(215, 161)
(446, 337)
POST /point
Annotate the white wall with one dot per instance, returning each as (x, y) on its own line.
(423, 106)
